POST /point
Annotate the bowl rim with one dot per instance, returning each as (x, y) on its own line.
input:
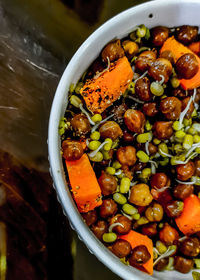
(56, 168)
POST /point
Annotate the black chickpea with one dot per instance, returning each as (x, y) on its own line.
(142, 89)
(171, 107)
(161, 265)
(80, 124)
(72, 150)
(183, 265)
(134, 120)
(174, 208)
(99, 229)
(90, 217)
(150, 109)
(108, 208)
(186, 34)
(150, 229)
(160, 69)
(112, 51)
(108, 183)
(154, 213)
(187, 66)
(159, 35)
(110, 129)
(125, 226)
(163, 129)
(140, 255)
(190, 247)
(121, 248)
(127, 155)
(182, 191)
(144, 60)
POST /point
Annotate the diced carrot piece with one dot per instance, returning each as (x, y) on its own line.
(99, 93)
(178, 49)
(137, 239)
(85, 188)
(195, 47)
(189, 220)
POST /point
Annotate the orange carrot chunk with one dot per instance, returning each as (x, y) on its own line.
(189, 220)
(100, 92)
(137, 239)
(85, 188)
(195, 47)
(178, 50)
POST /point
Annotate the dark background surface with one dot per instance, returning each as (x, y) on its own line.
(37, 40)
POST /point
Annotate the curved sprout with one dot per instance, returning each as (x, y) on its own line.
(98, 124)
(110, 229)
(92, 154)
(185, 183)
(135, 99)
(186, 161)
(167, 254)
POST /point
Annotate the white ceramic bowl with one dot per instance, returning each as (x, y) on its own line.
(159, 12)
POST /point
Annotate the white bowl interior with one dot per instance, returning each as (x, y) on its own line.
(159, 12)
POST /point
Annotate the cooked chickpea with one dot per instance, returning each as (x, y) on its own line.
(140, 195)
(131, 48)
(140, 255)
(134, 120)
(160, 68)
(159, 35)
(171, 107)
(107, 183)
(159, 180)
(108, 208)
(80, 124)
(150, 109)
(72, 150)
(182, 191)
(150, 229)
(161, 265)
(90, 217)
(97, 66)
(154, 213)
(185, 171)
(127, 137)
(125, 224)
(126, 155)
(190, 247)
(152, 148)
(162, 129)
(99, 229)
(144, 60)
(187, 66)
(110, 129)
(183, 265)
(191, 107)
(168, 55)
(168, 234)
(186, 34)
(121, 248)
(112, 51)
(179, 92)
(174, 208)
(142, 89)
